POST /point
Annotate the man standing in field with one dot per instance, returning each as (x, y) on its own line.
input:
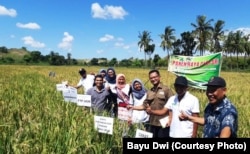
(156, 98)
(86, 81)
(220, 116)
(181, 101)
(99, 96)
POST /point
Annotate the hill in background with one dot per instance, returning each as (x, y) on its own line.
(14, 53)
(22, 55)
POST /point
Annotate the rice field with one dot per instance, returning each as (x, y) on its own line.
(36, 119)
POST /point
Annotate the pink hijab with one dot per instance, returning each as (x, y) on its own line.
(120, 86)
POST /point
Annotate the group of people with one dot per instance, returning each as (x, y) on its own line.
(133, 102)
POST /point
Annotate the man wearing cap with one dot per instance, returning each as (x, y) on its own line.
(86, 81)
(220, 115)
(182, 101)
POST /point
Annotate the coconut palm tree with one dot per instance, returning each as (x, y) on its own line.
(227, 46)
(246, 47)
(144, 41)
(218, 36)
(150, 50)
(203, 32)
(177, 47)
(167, 39)
(187, 43)
(234, 44)
(238, 44)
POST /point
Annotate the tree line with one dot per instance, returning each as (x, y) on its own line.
(206, 37)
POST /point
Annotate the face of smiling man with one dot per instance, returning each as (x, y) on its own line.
(154, 78)
(215, 94)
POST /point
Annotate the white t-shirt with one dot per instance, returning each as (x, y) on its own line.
(139, 116)
(189, 104)
(87, 82)
(111, 86)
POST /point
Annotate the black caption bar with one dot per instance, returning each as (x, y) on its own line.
(184, 144)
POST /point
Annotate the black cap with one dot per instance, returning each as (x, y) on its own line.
(216, 81)
(181, 80)
(82, 71)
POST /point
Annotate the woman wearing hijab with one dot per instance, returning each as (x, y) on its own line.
(123, 92)
(110, 84)
(123, 97)
(139, 94)
(103, 72)
(110, 79)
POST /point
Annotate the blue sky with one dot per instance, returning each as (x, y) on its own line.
(108, 28)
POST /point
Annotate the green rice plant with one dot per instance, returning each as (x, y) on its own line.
(36, 119)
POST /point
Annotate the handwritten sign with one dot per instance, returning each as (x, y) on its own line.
(84, 100)
(143, 134)
(104, 124)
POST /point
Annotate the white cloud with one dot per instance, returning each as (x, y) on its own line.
(126, 47)
(120, 39)
(30, 25)
(106, 38)
(122, 45)
(66, 43)
(245, 30)
(119, 44)
(12, 36)
(99, 51)
(107, 12)
(8, 12)
(28, 40)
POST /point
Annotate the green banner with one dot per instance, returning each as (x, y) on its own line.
(197, 70)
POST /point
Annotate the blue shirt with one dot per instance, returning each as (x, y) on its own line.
(225, 114)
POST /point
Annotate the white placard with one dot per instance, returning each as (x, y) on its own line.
(143, 134)
(164, 121)
(70, 94)
(104, 124)
(84, 100)
(65, 82)
(60, 87)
